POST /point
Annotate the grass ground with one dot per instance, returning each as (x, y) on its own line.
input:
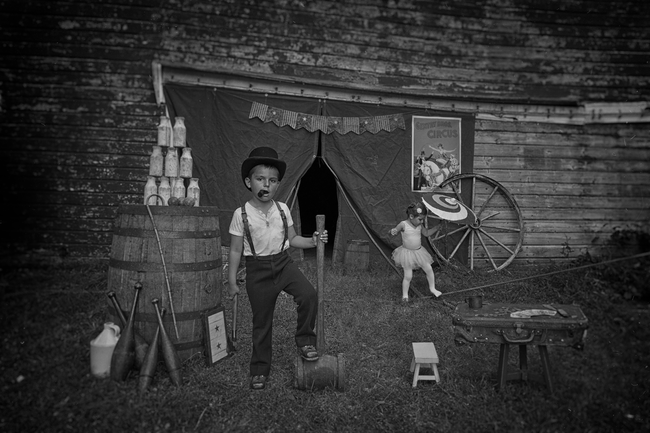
(49, 316)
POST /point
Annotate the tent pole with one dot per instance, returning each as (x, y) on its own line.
(293, 194)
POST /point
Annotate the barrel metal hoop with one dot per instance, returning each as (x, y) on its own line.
(153, 318)
(193, 211)
(158, 267)
(165, 234)
(186, 345)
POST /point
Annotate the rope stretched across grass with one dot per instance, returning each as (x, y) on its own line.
(607, 262)
(547, 274)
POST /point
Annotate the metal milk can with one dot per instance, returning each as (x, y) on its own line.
(101, 350)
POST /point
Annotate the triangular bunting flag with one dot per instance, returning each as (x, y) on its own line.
(326, 124)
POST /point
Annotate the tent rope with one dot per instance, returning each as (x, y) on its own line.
(547, 274)
(347, 200)
(363, 226)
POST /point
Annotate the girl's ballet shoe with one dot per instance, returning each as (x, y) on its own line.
(436, 293)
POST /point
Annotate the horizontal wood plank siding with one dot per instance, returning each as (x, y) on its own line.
(78, 113)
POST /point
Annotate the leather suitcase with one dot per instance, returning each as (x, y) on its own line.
(493, 323)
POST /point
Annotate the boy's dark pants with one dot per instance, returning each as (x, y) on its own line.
(266, 277)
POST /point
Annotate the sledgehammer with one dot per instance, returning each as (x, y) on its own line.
(328, 371)
(232, 338)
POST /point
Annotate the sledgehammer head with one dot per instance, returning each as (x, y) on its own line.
(327, 372)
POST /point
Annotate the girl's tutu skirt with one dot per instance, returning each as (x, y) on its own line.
(412, 259)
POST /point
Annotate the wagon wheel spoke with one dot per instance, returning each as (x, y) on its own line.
(453, 253)
(497, 236)
(500, 228)
(495, 227)
(496, 241)
(471, 252)
(480, 239)
(487, 201)
(446, 240)
(495, 214)
(454, 187)
(439, 237)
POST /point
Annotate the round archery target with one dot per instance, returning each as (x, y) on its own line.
(448, 208)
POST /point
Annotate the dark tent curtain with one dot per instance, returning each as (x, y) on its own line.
(375, 171)
(221, 136)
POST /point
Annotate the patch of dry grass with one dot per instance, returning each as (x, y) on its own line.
(50, 315)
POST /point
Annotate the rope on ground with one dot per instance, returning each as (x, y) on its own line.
(547, 274)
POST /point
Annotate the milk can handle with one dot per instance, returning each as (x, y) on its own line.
(115, 328)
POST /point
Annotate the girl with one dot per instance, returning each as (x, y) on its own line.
(411, 255)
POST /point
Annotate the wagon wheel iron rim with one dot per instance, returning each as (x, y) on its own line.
(498, 234)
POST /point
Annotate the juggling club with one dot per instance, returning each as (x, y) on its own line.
(170, 356)
(148, 368)
(141, 345)
(124, 353)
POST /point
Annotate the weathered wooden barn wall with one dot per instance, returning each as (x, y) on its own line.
(78, 113)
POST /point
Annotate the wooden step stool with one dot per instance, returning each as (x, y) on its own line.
(424, 355)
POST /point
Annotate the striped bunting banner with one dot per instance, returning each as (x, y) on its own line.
(326, 124)
(258, 110)
(350, 124)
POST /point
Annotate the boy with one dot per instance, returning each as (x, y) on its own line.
(264, 232)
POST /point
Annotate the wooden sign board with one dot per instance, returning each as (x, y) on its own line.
(216, 335)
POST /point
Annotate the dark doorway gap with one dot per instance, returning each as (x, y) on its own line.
(317, 196)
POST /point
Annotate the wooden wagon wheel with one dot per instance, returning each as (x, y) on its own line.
(498, 234)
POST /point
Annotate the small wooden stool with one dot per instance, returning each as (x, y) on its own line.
(424, 355)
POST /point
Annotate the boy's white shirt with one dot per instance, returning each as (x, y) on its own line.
(267, 240)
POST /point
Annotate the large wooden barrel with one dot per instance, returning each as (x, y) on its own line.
(191, 246)
(357, 255)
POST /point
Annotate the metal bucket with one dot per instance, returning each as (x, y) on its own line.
(191, 245)
(475, 302)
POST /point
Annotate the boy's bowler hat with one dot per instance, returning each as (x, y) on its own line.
(263, 156)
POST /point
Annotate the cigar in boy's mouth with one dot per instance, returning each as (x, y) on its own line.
(261, 193)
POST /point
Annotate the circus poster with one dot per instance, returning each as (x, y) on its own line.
(436, 151)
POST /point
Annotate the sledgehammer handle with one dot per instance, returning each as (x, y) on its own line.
(320, 259)
(235, 307)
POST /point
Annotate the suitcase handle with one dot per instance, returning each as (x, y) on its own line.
(524, 340)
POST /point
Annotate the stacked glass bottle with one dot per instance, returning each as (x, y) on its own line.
(170, 165)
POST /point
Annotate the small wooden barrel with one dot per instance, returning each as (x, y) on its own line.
(356, 255)
(327, 372)
(191, 245)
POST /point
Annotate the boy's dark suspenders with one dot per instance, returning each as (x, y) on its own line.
(284, 226)
(247, 230)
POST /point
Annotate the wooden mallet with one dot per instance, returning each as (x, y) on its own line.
(328, 371)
